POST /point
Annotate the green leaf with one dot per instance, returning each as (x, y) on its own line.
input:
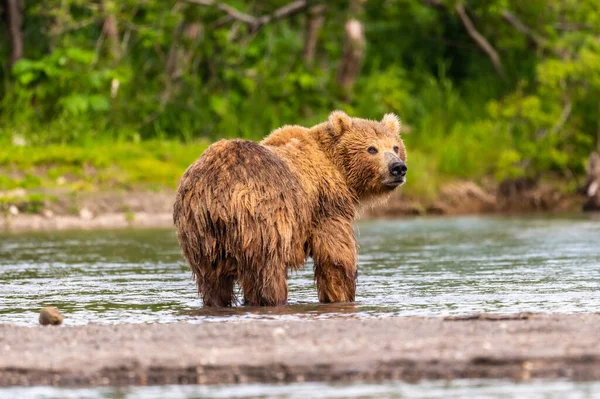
(27, 77)
(306, 81)
(75, 104)
(79, 55)
(22, 66)
(218, 105)
(99, 103)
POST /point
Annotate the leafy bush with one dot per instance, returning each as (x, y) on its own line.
(181, 71)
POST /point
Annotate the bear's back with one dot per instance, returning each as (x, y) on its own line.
(239, 196)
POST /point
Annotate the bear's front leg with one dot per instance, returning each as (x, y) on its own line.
(334, 254)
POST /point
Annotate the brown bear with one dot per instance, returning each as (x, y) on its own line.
(248, 212)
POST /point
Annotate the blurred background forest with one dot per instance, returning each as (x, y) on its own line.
(131, 91)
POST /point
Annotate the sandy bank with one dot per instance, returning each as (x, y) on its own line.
(410, 348)
(139, 209)
(103, 221)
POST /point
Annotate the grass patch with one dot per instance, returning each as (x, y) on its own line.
(156, 165)
(28, 203)
(149, 164)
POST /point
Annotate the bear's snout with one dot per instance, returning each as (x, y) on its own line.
(398, 169)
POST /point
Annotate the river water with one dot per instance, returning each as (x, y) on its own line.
(445, 266)
(390, 390)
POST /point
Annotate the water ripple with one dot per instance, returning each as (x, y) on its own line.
(407, 267)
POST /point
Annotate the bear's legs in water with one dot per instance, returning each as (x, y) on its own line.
(216, 284)
(334, 255)
(264, 286)
(221, 293)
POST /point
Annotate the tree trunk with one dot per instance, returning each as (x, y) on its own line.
(110, 30)
(172, 64)
(354, 50)
(13, 12)
(180, 57)
(598, 131)
(592, 185)
(314, 23)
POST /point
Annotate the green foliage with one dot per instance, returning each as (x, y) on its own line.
(178, 71)
(29, 203)
(150, 164)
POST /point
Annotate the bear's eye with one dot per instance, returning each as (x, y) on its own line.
(372, 150)
(396, 149)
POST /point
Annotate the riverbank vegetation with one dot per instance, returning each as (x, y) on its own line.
(125, 93)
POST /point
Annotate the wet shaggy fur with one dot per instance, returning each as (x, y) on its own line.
(249, 212)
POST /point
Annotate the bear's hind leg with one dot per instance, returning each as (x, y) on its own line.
(266, 286)
(217, 284)
(334, 254)
(219, 292)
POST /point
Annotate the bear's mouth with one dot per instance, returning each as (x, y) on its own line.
(393, 183)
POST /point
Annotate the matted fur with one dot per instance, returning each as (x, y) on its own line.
(249, 212)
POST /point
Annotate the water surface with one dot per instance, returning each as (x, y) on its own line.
(446, 266)
(391, 390)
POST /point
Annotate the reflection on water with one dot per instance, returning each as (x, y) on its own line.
(423, 389)
(443, 266)
(312, 310)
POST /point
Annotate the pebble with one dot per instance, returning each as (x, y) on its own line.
(86, 214)
(50, 316)
(16, 193)
(19, 141)
(278, 332)
(47, 213)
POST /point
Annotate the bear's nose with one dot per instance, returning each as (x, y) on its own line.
(398, 169)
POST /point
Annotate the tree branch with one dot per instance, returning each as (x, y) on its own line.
(572, 27)
(477, 37)
(433, 3)
(480, 40)
(314, 23)
(564, 116)
(227, 9)
(524, 29)
(256, 23)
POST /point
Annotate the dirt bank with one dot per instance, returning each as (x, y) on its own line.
(464, 197)
(106, 210)
(71, 222)
(411, 348)
(154, 209)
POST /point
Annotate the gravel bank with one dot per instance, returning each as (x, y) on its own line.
(407, 348)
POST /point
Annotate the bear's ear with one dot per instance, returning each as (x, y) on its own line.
(392, 122)
(340, 122)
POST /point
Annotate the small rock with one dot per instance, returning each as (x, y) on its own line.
(16, 193)
(85, 214)
(114, 87)
(47, 213)
(19, 141)
(278, 332)
(50, 316)
(592, 185)
(13, 210)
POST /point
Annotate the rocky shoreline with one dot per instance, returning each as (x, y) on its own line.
(518, 347)
(154, 209)
(121, 220)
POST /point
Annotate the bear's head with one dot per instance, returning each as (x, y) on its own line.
(371, 154)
